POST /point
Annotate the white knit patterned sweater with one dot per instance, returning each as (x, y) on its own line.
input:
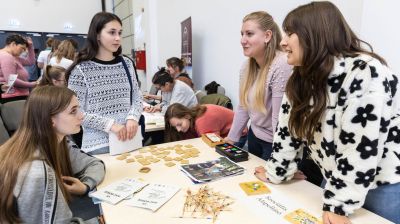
(103, 91)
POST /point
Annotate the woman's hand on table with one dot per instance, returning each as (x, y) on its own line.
(332, 218)
(120, 131)
(131, 128)
(152, 109)
(260, 173)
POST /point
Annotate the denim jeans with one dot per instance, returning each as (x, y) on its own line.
(383, 201)
(241, 142)
(258, 147)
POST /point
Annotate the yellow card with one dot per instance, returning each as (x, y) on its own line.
(254, 188)
(299, 216)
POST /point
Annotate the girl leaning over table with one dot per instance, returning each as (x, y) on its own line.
(185, 123)
(342, 103)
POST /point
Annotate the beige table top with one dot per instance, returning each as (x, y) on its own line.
(302, 192)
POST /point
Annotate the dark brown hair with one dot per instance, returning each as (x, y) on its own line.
(35, 133)
(91, 48)
(177, 110)
(176, 62)
(323, 35)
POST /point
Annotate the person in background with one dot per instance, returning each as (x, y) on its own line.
(54, 47)
(64, 55)
(53, 76)
(40, 171)
(263, 81)
(11, 63)
(175, 68)
(172, 91)
(341, 102)
(34, 72)
(185, 123)
(105, 85)
(43, 55)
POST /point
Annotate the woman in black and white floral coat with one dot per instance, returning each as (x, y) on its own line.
(342, 104)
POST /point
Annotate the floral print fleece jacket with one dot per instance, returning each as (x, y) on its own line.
(357, 143)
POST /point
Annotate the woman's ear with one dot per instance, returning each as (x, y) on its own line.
(53, 122)
(268, 36)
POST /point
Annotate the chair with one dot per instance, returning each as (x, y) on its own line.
(4, 136)
(12, 113)
(217, 99)
(200, 94)
(221, 90)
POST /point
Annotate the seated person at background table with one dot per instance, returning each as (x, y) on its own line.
(185, 123)
(43, 55)
(40, 170)
(342, 102)
(53, 76)
(11, 63)
(64, 55)
(175, 67)
(263, 79)
(172, 91)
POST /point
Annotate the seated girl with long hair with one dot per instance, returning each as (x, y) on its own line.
(40, 171)
(53, 75)
(185, 123)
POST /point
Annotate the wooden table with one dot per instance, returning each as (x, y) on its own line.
(303, 193)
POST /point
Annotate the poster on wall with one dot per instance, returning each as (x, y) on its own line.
(186, 51)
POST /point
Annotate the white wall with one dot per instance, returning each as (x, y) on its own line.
(48, 15)
(380, 29)
(217, 53)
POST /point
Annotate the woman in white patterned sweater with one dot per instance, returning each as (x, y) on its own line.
(342, 103)
(107, 91)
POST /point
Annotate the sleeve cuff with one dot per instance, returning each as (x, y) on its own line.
(131, 117)
(109, 125)
(338, 210)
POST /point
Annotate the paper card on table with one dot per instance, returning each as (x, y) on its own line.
(11, 81)
(153, 196)
(118, 191)
(254, 188)
(299, 216)
(156, 118)
(119, 147)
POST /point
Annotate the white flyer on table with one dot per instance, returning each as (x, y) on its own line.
(118, 191)
(11, 80)
(119, 147)
(156, 118)
(153, 196)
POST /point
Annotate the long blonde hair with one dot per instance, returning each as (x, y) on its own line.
(36, 133)
(257, 74)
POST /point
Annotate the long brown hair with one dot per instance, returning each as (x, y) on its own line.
(177, 110)
(257, 74)
(35, 133)
(323, 35)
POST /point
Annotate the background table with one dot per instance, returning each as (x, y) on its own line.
(302, 192)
